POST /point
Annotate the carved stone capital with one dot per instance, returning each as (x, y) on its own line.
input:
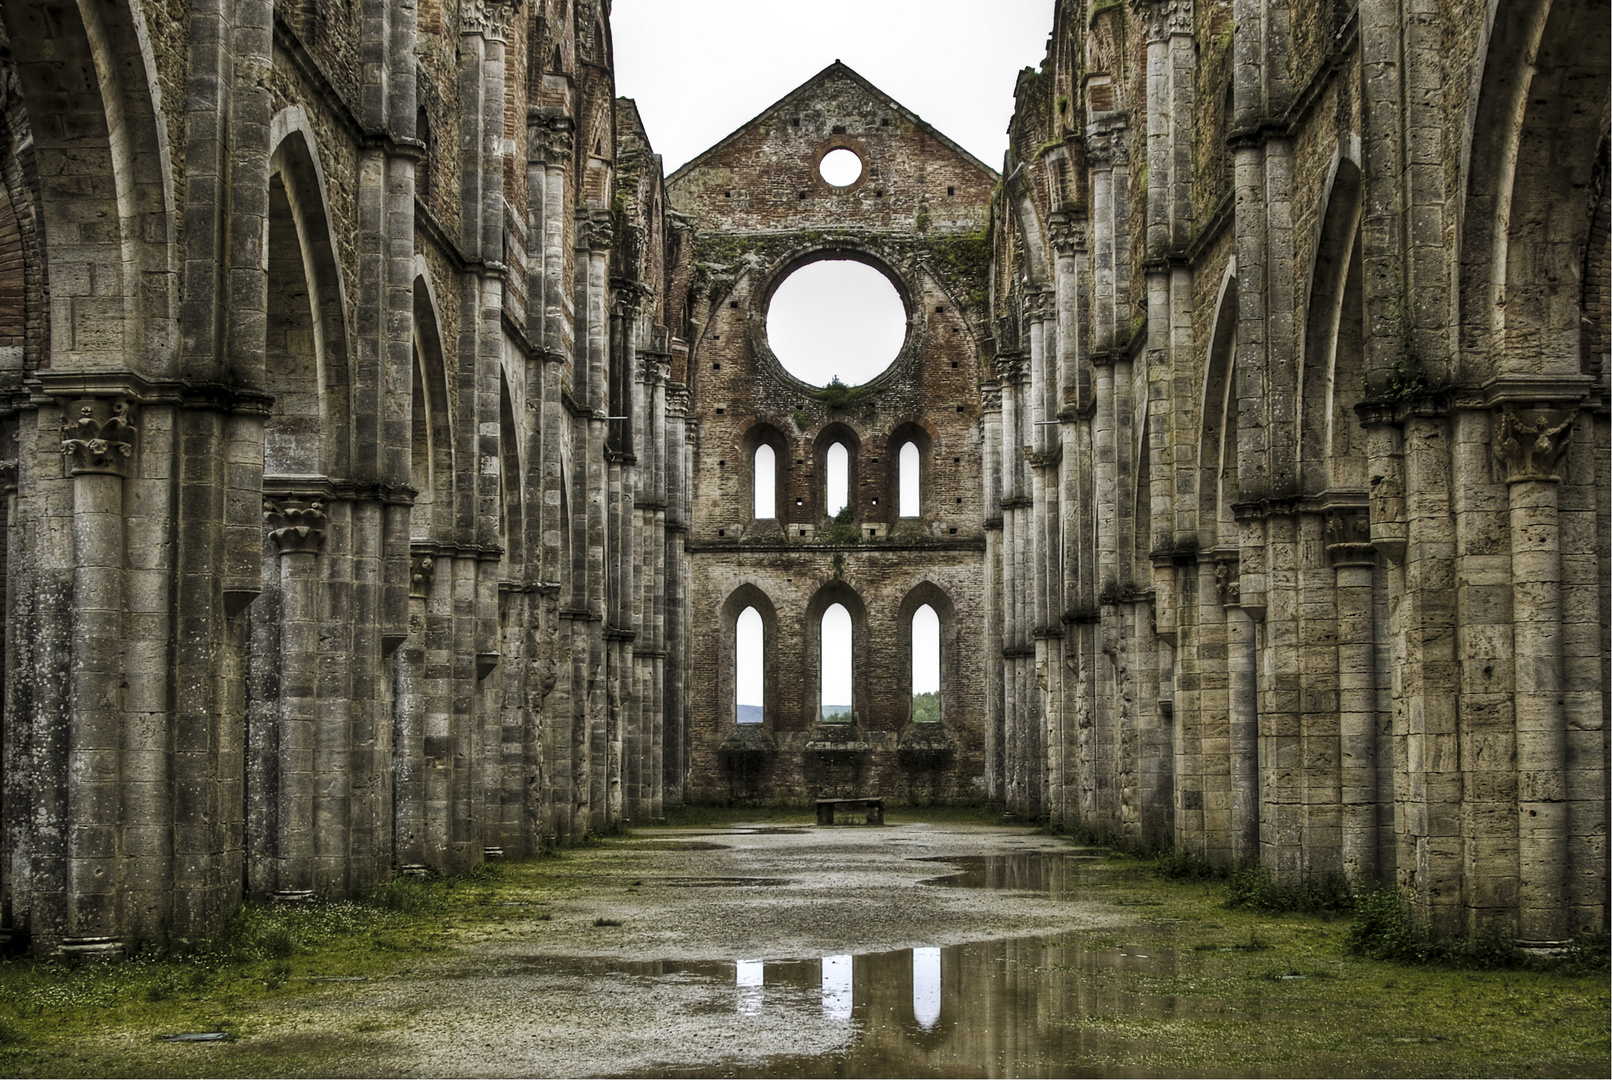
(595, 232)
(1348, 538)
(422, 574)
(1107, 149)
(100, 439)
(1162, 19)
(991, 397)
(297, 526)
(1067, 237)
(554, 143)
(1529, 442)
(489, 18)
(1228, 583)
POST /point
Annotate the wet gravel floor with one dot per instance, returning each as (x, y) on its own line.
(563, 996)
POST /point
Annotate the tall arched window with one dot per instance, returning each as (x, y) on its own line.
(837, 480)
(836, 697)
(766, 483)
(911, 498)
(748, 693)
(925, 665)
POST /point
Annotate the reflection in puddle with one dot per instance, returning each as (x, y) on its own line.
(1027, 871)
(1024, 1007)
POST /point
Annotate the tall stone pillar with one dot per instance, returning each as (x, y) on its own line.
(297, 529)
(98, 445)
(1528, 445)
(1242, 700)
(1354, 563)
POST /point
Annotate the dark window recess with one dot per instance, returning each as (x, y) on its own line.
(716, 367)
(727, 194)
(839, 129)
(803, 532)
(795, 122)
(719, 412)
(721, 463)
(954, 362)
(959, 502)
(951, 190)
(801, 196)
(959, 409)
(875, 502)
(722, 532)
(800, 502)
(872, 533)
(957, 461)
(884, 122)
(878, 193)
(733, 303)
(954, 532)
(940, 309)
(800, 461)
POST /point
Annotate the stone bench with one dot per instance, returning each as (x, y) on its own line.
(874, 805)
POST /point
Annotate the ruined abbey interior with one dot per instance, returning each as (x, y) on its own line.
(397, 471)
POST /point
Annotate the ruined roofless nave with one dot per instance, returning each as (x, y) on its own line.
(397, 472)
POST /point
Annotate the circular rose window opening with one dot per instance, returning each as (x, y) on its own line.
(836, 319)
(840, 167)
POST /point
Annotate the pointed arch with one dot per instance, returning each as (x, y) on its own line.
(1331, 453)
(747, 597)
(927, 594)
(309, 431)
(1531, 155)
(1217, 440)
(430, 421)
(831, 594)
(102, 159)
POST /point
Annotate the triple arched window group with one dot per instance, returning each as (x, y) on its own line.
(837, 459)
(836, 689)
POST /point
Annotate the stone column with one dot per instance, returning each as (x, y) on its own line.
(1354, 562)
(1242, 707)
(995, 573)
(410, 707)
(98, 445)
(297, 529)
(1528, 445)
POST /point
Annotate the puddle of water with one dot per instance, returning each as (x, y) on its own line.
(1057, 874)
(1002, 1008)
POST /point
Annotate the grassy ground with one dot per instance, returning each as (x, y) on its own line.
(1250, 992)
(1280, 995)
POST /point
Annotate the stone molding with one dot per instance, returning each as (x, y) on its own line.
(101, 440)
(1529, 442)
(297, 526)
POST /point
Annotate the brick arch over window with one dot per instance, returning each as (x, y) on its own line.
(1332, 450)
(845, 435)
(309, 431)
(754, 438)
(104, 159)
(430, 424)
(920, 435)
(834, 592)
(1532, 154)
(24, 325)
(940, 601)
(747, 595)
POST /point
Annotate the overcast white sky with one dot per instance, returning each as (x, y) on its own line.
(700, 68)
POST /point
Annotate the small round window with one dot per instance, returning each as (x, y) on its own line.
(840, 167)
(836, 319)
